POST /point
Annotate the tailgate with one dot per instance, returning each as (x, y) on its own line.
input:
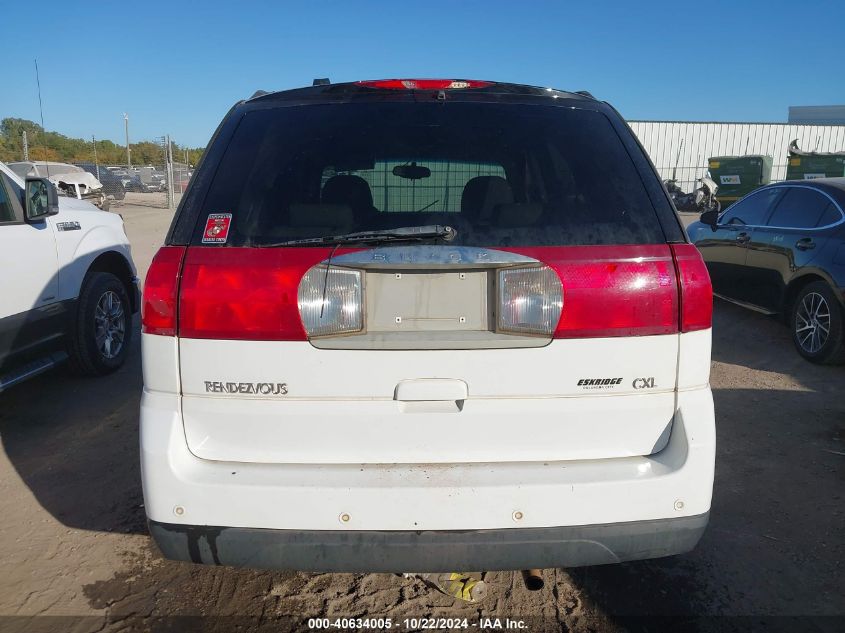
(429, 379)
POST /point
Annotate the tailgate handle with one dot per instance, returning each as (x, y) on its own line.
(431, 389)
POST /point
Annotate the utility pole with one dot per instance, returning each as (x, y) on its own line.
(126, 126)
(25, 146)
(96, 164)
(168, 154)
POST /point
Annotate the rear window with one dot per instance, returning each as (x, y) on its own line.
(501, 175)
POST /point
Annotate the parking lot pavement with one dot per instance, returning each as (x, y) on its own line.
(73, 538)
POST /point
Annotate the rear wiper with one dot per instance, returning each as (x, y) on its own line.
(402, 234)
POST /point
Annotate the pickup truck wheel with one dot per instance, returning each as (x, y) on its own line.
(817, 325)
(102, 328)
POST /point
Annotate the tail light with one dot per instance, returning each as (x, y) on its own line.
(626, 290)
(530, 300)
(244, 293)
(329, 301)
(696, 292)
(158, 309)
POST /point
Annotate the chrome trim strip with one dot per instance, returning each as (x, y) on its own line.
(745, 304)
(787, 228)
(429, 256)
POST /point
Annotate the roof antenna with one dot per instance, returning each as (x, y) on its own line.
(322, 81)
(41, 110)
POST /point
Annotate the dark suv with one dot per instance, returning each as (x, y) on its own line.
(423, 325)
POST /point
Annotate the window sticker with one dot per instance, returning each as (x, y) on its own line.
(217, 228)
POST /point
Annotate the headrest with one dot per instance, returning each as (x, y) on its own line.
(482, 193)
(351, 190)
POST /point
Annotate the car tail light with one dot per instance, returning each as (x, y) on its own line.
(625, 290)
(424, 84)
(530, 300)
(244, 293)
(158, 309)
(696, 292)
(329, 301)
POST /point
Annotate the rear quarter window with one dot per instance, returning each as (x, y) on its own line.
(501, 174)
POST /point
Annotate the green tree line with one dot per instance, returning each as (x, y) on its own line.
(58, 147)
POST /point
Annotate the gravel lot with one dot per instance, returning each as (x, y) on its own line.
(73, 538)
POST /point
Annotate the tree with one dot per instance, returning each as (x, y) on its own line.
(57, 147)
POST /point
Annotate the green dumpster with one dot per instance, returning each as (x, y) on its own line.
(808, 165)
(737, 176)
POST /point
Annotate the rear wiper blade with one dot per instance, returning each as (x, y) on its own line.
(402, 234)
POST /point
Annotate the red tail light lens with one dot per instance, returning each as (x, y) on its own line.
(613, 290)
(158, 308)
(244, 293)
(696, 291)
(424, 84)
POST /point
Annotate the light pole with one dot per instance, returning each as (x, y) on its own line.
(126, 126)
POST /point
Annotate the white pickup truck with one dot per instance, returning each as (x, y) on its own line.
(68, 284)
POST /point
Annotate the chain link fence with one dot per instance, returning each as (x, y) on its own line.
(158, 184)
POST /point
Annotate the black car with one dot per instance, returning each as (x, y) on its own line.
(112, 184)
(781, 250)
(133, 182)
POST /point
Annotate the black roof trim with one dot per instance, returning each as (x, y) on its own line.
(354, 88)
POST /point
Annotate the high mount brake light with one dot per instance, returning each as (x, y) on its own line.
(424, 84)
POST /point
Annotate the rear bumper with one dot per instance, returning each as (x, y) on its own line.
(429, 551)
(395, 517)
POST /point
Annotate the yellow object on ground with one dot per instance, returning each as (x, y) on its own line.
(460, 585)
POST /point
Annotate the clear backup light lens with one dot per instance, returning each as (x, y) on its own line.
(341, 311)
(530, 300)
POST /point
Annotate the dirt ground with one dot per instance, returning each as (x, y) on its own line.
(74, 544)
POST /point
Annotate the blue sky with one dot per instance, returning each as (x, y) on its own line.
(177, 67)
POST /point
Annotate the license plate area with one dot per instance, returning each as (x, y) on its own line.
(428, 301)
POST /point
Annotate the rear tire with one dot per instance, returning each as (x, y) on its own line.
(818, 325)
(101, 330)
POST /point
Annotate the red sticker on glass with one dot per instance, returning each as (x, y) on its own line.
(217, 228)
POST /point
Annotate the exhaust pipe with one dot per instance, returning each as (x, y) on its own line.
(533, 579)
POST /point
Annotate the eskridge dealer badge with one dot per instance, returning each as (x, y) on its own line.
(217, 228)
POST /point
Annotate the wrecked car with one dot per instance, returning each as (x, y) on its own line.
(70, 180)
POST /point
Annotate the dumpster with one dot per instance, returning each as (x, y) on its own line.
(804, 165)
(737, 176)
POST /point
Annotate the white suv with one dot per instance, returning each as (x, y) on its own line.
(426, 325)
(68, 288)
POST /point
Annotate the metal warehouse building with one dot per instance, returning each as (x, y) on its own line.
(688, 145)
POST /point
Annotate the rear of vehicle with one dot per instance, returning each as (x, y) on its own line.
(530, 392)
